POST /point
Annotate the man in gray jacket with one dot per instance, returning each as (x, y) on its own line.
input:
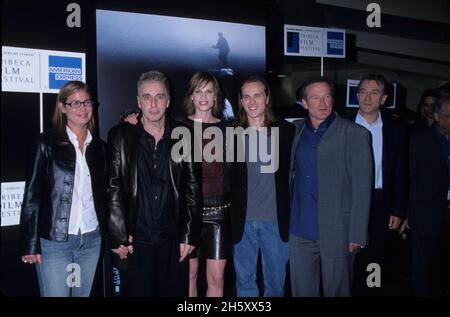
(331, 179)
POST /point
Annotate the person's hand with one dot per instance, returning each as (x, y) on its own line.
(394, 222)
(185, 250)
(132, 118)
(354, 246)
(32, 258)
(403, 227)
(122, 251)
(130, 246)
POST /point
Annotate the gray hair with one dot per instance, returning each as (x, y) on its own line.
(378, 78)
(154, 75)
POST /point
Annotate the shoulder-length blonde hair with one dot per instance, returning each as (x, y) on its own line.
(201, 79)
(59, 119)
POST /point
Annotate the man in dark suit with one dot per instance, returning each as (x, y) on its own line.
(389, 198)
(331, 184)
(298, 107)
(295, 111)
(429, 203)
(425, 109)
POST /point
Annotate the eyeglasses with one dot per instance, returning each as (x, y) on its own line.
(76, 104)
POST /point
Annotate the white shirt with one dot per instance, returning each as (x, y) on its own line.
(376, 129)
(82, 213)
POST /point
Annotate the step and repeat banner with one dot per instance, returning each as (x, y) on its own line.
(31, 79)
(34, 76)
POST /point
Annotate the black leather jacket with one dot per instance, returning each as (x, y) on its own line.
(122, 188)
(49, 185)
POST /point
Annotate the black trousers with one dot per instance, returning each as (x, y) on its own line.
(429, 265)
(381, 239)
(156, 271)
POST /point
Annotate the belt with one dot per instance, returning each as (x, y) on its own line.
(216, 207)
(216, 201)
(216, 211)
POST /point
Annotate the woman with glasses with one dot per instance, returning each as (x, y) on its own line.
(64, 200)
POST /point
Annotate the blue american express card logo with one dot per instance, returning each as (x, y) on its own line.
(335, 43)
(62, 69)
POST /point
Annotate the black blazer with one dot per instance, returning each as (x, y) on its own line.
(429, 184)
(239, 187)
(394, 165)
(48, 191)
(122, 187)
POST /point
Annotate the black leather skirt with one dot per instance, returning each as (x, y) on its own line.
(215, 234)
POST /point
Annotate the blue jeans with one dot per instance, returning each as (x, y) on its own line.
(68, 268)
(262, 236)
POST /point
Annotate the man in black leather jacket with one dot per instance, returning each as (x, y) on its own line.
(154, 199)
